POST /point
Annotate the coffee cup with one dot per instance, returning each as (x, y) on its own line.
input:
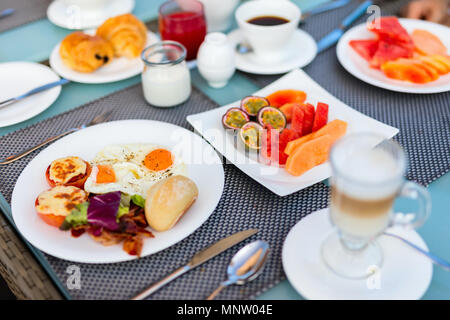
(268, 26)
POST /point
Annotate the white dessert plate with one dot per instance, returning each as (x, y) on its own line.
(85, 144)
(404, 275)
(209, 125)
(302, 50)
(119, 68)
(72, 17)
(358, 66)
(16, 78)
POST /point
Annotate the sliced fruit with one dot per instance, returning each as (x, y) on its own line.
(320, 117)
(234, 118)
(388, 51)
(285, 137)
(427, 43)
(252, 104)
(442, 59)
(336, 129)
(390, 30)
(436, 65)
(309, 155)
(251, 134)
(365, 48)
(406, 70)
(287, 109)
(281, 97)
(273, 116)
(308, 119)
(269, 142)
(298, 115)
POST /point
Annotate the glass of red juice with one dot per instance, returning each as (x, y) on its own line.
(183, 21)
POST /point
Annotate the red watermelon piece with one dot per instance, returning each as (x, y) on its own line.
(308, 119)
(298, 115)
(285, 137)
(321, 116)
(365, 48)
(389, 51)
(389, 29)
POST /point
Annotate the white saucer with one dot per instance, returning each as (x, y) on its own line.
(405, 274)
(17, 78)
(303, 47)
(118, 69)
(70, 17)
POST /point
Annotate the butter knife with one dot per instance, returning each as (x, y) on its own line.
(333, 37)
(33, 91)
(198, 259)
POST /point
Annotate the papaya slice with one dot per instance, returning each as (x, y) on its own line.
(336, 129)
(442, 59)
(309, 155)
(435, 64)
(405, 69)
(365, 48)
(281, 97)
(427, 43)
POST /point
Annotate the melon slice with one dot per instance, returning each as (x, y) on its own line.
(427, 43)
(406, 70)
(365, 48)
(281, 97)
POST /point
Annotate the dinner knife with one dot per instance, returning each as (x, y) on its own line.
(34, 91)
(198, 259)
(333, 37)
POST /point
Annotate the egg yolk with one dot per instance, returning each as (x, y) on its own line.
(105, 174)
(159, 159)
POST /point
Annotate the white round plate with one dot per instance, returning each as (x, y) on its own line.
(119, 68)
(405, 274)
(303, 47)
(358, 66)
(16, 78)
(71, 17)
(206, 172)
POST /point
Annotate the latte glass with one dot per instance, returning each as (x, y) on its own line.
(367, 178)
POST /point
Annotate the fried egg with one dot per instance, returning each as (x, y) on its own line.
(132, 168)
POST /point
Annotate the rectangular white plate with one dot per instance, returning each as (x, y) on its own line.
(209, 125)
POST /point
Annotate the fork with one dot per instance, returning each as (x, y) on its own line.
(97, 120)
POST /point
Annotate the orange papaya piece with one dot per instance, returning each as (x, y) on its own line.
(336, 129)
(435, 64)
(309, 155)
(287, 109)
(281, 97)
(427, 43)
(404, 69)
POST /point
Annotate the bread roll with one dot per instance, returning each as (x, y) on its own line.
(85, 53)
(168, 200)
(127, 34)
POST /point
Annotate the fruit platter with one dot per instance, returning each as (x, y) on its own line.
(398, 54)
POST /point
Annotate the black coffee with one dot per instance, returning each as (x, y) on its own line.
(268, 20)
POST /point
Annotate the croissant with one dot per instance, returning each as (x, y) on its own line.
(85, 53)
(127, 34)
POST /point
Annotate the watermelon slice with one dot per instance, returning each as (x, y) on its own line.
(365, 48)
(389, 29)
(286, 136)
(321, 116)
(298, 115)
(389, 51)
(308, 120)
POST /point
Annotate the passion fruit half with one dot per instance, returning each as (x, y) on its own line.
(251, 134)
(252, 104)
(235, 118)
(272, 116)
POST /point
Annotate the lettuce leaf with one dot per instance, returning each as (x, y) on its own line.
(138, 200)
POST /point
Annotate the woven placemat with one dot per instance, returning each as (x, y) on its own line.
(423, 120)
(244, 204)
(26, 11)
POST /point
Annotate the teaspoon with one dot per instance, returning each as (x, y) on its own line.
(245, 266)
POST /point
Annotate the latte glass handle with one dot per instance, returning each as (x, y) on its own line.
(414, 192)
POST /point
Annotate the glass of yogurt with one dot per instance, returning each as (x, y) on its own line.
(166, 80)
